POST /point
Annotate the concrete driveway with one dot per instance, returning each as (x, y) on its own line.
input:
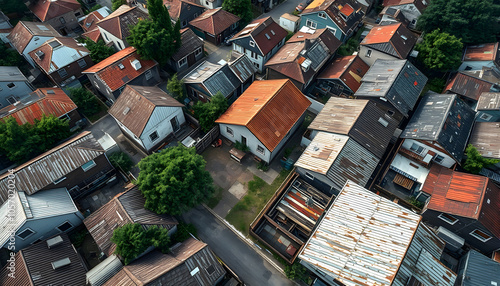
(286, 7)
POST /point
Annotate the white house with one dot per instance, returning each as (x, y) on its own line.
(147, 115)
(411, 9)
(31, 219)
(265, 116)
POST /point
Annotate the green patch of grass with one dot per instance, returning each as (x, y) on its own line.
(259, 193)
(216, 197)
(103, 110)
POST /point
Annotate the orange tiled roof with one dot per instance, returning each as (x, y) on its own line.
(94, 35)
(47, 9)
(346, 10)
(114, 76)
(90, 22)
(269, 109)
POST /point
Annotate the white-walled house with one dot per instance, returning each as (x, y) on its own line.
(147, 115)
(37, 217)
(411, 9)
(264, 117)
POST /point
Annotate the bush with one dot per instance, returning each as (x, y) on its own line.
(413, 201)
(122, 161)
(296, 272)
(85, 100)
(240, 146)
(475, 162)
(263, 166)
(183, 232)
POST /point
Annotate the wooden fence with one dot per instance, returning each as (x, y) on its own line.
(204, 142)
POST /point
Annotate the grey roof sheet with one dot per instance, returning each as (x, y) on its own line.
(488, 101)
(190, 43)
(11, 74)
(242, 67)
(214, 77)
(477, 269)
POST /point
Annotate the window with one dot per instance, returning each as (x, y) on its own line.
(65, 226)
(89, 165)
(485, 116)
(154, 136)
(331, 29)
(105, 36)
(234, 26)
(198, 51)
(438, 159)
(210, 269)
(36, 241)
(119, 46)
(309, 176)
(252, 44)
(26, 233)
(11, 85)
(322, 15)
(62, 73)
(480, 235)
(206, 3)
(182, 62)
(311, 24)
(256, 65)
(184, 24)
(62, 20)
(254, 55)
(59, 180)
(11, 99)
(368, 53)
(149, 74)
(77, 14)
(390, 112)
(448, 218)
(229, 131)
(417, 148)
(82, 63)
(261, 150)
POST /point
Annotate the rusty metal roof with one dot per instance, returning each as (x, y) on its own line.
(394, 39)
(483, 52)
(50, 9)
(467, 86)
(52, 165)
(488, 101)
(214, 21)
(348, 69)
(485, 137)
(22, 275)
(269, 109)
(121, 20)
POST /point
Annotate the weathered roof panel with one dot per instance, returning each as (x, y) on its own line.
(485, 137)
(477, 269)
(488, 101)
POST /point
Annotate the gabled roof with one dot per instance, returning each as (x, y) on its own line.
(89, 22)
(266, 34)
(394, 39)
(488, 101)
(485, 137)
(398, 81)
(483, 52)
(177, 7)
(488, 74)
(24, 31)
(127, 207)
(241, 66)
(110, 71)
(121, 20)
(190, 42)
(478, 270)
(214, 21)
(94, 35)
(57, 53)
(49, 9)
(61, 160)
(345, 13)
(136, 104)
(467, 86)
(465, 195)
(214, 77)
(419, 4)
(11, 74)
(360, 119)
(269, 109)
(43, 101)
(348, 69)
(442, 118)
(313, 47)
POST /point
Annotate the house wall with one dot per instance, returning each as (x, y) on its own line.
(252, 141)
(70, 19)
(45, 228)
(99, 84)
(410, 12)
(211, 5)
(136, 140)
(447, 162)
(118, 43)
(190, 14)
(192, 59)
(20, 89)
(375, 55)
(160, 122)
(73, 117)
(256, 59)
(337, 87)
(322, 23)
(197, 91)
(477, 65)
(317, 180)
(35, 42)
(488, 116)
(463, 227)
(73, 69)
(290, 26)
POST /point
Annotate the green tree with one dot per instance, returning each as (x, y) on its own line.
(98, 51)
(9, 56)
(184, 232)
(174, 180)
(474, 21)
(48, 131)
(208, 112)
(159, 238)
(240, 8)
(176, 87)
(85, 100)
(440, 51)
(121, 160)
(9, 6)
(131, 240)
(115, 4)
(158, 13)
(296, 272)
(95, 8)
(475, 162)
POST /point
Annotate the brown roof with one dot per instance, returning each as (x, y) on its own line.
(22, 277)
(115, 77)
(48, 61)
(121, 20)
(214, 21)
(90, 22)
(419, 4)
(483, 52)
(269, 109)
(175, 7)
(485, 137)
(94, 35)
(287, 61)
(258, 29)
(136, 104)
(334, 9)
(465, 195)
(488, 101)
(127, 207)
(467, 86)
(394, 39)
(348, 69)
(190, 42)
(43, 101)
(24, 31)
(49, 9)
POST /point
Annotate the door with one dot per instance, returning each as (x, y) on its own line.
(175, 124)
(243, 140)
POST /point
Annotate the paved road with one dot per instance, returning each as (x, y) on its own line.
(286, 7)
(241, 258)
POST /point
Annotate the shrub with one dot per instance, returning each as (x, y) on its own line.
(183, 232)
(121, 160)
(240, 146)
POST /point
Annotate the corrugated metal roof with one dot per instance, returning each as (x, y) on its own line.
(362, 238)
(103, 271)
(467, 86)
(241, 66)
(52, 165)
(476, 269)
(349, 70)
(11, 221)
(394, 39)
(398, 81)
(483, 52)
(22, 277)
(58, 53)
(488, 101)
(214, 77)
(190, 42)
(485, 137)
(11, 74)
(269, 109)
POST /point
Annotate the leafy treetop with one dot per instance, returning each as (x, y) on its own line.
(475, 162)
(175, 86)
(98, 51)
(440, 51)
(240, 8)
(208, 112)
(115, 4)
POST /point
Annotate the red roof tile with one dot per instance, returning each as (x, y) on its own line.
(94, 35)
(119, 22)
(116, 77)
(467, 86)
(214, 21)
(175, 7)
(265, 26)
(48, 9)
(42, 101)
(346, 10)
(269, 109)
(90, 22)
(484, 52)
(349, 69)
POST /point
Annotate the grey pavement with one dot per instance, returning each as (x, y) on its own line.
(241, 258)
(217, 53)
(287, 6)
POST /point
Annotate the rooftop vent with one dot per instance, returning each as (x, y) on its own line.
(267, 36)
(60, 263)
(272, 32)
(50, 91)
(121, 66)
(126, 110)
(136, 64)
(306, 64)
(404, 37)
(39, 55)
(54, 44)
(54, 241)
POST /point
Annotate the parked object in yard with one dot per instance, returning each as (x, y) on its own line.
(217, 143)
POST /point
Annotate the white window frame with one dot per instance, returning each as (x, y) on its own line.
(368, 53)
(309, 176)
(322, 15)
(82, 63)
(59, 180)
(229, 131)
(32, 233)
(252, 44)
(485, 116)
(418, 148)
(443, 217)
(332, 29)
(182, 62)
(311, 24)
(9, 99)
(13, 85)
(64, 223)
(261, 150)
(473, 234)
(148, 74)
(184, 24)
(157, 136)
(436, 158)
(89, 167)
